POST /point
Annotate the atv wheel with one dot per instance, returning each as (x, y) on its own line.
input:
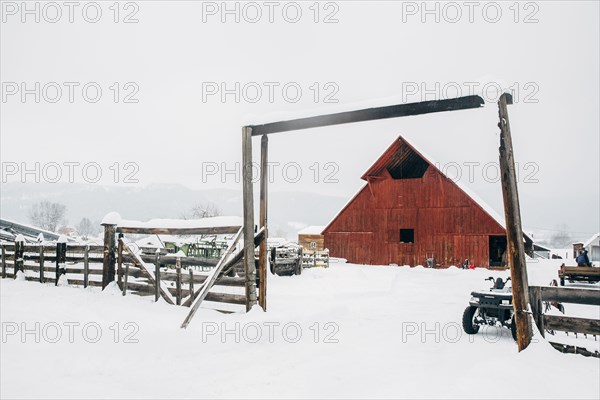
(468, 322)
(513, 328)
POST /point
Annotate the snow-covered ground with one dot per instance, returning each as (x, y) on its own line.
(348, 331)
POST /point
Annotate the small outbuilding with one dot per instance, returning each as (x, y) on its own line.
(311, 238)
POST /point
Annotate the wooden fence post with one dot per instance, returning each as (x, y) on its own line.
(61, 256)
(262, 257)
(178, 281)
(108, 266)
(535, 299)
(19, 250)
(191, 283)
(126, 278)
(514, 232)
(157, 275)
(248, 203)
(120, 262)
(41, 263)
(3, 262)
(86, 266)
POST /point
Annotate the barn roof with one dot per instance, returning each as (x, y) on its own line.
(402, 157)
(590, 240)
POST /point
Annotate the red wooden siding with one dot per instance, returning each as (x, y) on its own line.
(446, 221)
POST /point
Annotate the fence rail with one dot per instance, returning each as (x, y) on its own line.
(83, 266)
(538, 295)
(315, 258)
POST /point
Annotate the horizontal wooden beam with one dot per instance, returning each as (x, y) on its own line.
(370, 114)
(215, 230)
(571, 295)
(572, 324)
(165, 260)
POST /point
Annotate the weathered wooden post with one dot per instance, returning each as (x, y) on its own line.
(120, 262)
(126, 278)
(108, 265)
(19, 250)
(86, 266)
(61, 258)
(191, 284)
(157, 275)
(178, 281)
(262, 257)
(3, 262)
(514, 232)
(41, 263)
(248, 200)
(535, 300)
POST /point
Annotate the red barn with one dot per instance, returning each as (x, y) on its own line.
(409, 211)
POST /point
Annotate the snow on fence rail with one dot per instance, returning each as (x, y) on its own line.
(82, 264)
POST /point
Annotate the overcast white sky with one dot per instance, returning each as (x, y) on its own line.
(178, 53)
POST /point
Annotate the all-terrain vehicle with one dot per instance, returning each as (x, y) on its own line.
(491, 307)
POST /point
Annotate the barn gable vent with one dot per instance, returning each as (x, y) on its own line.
(406, 164)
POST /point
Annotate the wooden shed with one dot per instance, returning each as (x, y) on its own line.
(311, 238)
(409, 211)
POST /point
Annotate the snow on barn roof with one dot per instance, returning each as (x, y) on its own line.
(312, 230)
(383, 161)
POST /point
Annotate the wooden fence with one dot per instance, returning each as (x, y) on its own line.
(178, 278)
(315, 258)
(82, 264)
(538, 295)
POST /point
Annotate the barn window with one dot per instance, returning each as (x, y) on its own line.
(407, 235)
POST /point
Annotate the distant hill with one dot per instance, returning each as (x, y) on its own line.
(288, 211)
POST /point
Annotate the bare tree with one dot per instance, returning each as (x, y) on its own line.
(202, 210)
(85, 228)
(47, 215)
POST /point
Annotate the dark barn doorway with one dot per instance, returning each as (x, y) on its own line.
(497, 249)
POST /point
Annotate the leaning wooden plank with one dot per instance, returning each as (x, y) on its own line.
(150, 274)
(210, 281)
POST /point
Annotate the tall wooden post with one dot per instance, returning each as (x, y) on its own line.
(514, 232)
(108, 266)
(262, 258)
(248, 199)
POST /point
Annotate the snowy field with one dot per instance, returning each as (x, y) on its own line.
(346, 332)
